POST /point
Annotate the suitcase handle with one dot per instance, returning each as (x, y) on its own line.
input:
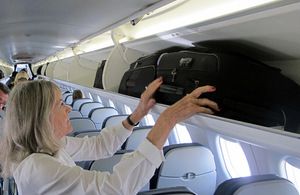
(170, 89)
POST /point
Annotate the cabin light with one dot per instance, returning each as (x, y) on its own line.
(192, 12)
(94, 47)
(79, 52)
(124, 39)
(73, 41)
(59, 47)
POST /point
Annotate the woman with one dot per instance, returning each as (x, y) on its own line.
(41, 158)
(21, 77)
(77, 94)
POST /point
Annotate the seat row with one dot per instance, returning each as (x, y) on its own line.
(191, 165)
(257, 184)
(188, 169)
(100, 118)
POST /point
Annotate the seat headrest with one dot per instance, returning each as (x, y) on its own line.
(257, 184)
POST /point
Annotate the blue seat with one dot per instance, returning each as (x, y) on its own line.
(89, 133)
(136, 137)
(86, 107)
(98, 115)
(113, 120)
(69, 100)
(64, 95)
(77, 102)
(81, 124)
(108, 164)
(82, 134)
(191, 165)
(75, 114)
(257, 184)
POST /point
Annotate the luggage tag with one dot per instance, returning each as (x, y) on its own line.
(185, 62)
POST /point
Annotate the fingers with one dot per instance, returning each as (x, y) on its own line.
(152, 87)
(205, 102)
(197, 92)
(147, 102)
(208, 103)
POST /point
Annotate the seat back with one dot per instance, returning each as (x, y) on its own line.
(89, 133)
(86, 107)
(191, 165)
(98, 115)
(75, 114)
(82, 134)
(77, 103)
(257, 184)
(137, 136)
(81, 124)
(69, 100)
(108, 164)
(179, 190)
(113, 120)
(64, 96)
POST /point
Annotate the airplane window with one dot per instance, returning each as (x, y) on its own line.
(234, 158)
(99, 99)
(127, 109)
(111, 104)
(149, 120)
(293, 174)
(181, 134)
(90, 95)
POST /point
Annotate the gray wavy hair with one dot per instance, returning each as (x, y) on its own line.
(27, 128)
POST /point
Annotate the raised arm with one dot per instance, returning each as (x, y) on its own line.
(180, 111)
(145, 104)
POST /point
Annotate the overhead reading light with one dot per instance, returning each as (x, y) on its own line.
(184, 13)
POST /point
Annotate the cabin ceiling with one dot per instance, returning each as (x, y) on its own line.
(32, 30)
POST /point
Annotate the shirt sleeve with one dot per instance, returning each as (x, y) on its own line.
(105, 145)
(43, 174)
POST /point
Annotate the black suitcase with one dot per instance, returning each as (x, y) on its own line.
(247, 90)
(98, 78)
(141, 73)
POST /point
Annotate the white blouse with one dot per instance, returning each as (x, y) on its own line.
(45, 174)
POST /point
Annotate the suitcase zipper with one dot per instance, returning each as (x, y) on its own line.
(196, 83)
(174, 73)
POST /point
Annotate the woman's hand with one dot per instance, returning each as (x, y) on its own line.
(180, 111)
(145, 104)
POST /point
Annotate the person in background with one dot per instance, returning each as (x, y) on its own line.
(39, 155)
(1, 74)
(77, 94)
(4, 91)
(21, 77)
(10, 81)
